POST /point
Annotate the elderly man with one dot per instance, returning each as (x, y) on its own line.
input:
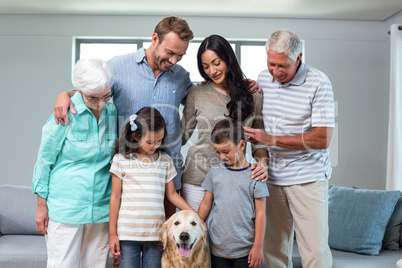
(299, 120)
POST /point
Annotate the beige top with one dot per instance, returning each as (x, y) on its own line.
(142, 213)
(205, 106)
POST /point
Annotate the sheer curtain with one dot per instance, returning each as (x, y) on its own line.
(394, 160)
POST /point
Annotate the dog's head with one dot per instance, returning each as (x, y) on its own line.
(184, 232)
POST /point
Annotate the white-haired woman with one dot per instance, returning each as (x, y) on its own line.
(71, 176)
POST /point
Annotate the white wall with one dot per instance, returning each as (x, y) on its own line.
(36, 58)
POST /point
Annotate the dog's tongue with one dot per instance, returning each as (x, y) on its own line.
(184, 250)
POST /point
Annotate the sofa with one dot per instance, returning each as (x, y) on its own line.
(364, 228)
(21, 246)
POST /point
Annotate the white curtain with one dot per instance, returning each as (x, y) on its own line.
(394, 160)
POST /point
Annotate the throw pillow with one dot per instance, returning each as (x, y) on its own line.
(358, 217)
(392, 233)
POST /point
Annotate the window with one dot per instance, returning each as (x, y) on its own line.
(251, 54)
(253, 60)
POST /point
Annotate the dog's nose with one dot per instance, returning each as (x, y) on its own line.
(184, 236)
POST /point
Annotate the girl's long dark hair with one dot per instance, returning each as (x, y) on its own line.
(148, 119)
(241, 103)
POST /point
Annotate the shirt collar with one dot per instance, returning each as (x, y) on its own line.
(79, 104)
(240, 169)
(140, 55)
(141, 58)
(298, 79)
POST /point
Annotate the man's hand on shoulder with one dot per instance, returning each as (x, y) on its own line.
(61, 106)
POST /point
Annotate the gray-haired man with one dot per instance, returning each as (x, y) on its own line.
(299, 119)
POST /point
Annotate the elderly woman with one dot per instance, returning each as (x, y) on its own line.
(71, 176)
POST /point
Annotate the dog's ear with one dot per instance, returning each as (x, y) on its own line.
(164, 235)
(204, 230)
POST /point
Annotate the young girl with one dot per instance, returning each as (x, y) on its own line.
(141, 174)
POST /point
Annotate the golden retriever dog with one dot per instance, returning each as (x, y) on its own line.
(184, 244)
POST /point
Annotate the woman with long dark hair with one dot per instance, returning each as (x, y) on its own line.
(224, 95)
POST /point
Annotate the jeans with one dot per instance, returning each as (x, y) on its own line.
(218, 262)
(131, 254)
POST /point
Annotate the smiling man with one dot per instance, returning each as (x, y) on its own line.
(298, 115)
(150, 77)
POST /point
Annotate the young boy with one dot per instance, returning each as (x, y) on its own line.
(236, 224)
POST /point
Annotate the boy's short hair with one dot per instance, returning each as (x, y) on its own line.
(227, 129)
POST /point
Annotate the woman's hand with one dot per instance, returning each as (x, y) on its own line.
(253, 86)
(42, 219)
(260, 172)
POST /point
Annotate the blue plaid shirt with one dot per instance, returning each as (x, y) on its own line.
(135, 86)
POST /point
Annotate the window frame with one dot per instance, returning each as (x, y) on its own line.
(140, 41)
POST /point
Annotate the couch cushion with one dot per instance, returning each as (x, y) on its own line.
(17, 210)
(393, 231)
(22, 251)
(357, 218)
(343, 259)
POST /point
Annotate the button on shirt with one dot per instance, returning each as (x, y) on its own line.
(135, 86)
(291, 109)
(72, 170)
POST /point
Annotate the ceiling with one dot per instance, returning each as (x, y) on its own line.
(311, 9)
